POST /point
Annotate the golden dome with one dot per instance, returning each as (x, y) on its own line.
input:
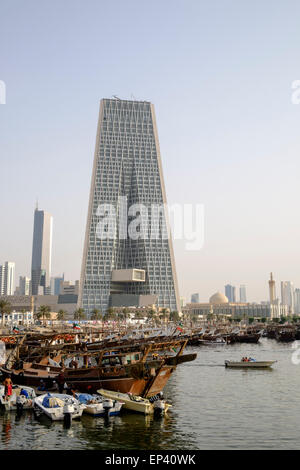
(218, 298)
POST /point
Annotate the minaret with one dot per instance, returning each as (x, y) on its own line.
(272, 289)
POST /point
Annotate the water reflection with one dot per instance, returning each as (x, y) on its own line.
(213, 407)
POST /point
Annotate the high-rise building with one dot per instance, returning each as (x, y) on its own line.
(287, 295)
(7, 278)
(55, 284)
(67, 287)
(297, 301)
(123, 263)
(41, 252)
(195, 298)
(243, 296)
(272, 289)
(24, 285)
(2, 275)
(230, 292)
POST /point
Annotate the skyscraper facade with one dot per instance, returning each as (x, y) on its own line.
(127, 174)
(297, 301)
(287, 295)
(24, 285)
(41, 252)
(243, 296)
(7, 278)
(195, 298)
(55, 284)
(2, 275)
(230, 292)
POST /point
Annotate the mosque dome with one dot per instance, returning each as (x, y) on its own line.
(218, 298)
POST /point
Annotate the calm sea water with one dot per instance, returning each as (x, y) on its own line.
(213, 408)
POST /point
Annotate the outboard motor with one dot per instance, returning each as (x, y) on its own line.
(20, 404)
(68, 411)
(107, 405)
(159, 407)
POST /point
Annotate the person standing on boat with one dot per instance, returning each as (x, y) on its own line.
(7, 388)
(61, 381)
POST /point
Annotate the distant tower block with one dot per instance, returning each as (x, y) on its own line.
(41, 251)
(272, 289)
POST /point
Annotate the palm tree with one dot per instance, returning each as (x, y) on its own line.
(5, 307)
(106, 316)
(96, 314)
(125, 313)
(151, 314)
(38, 315)
(111, 311)
(44, 312)
(164, 315)
(79, 314)
(110, 314)
(61, 315)
(174, 316)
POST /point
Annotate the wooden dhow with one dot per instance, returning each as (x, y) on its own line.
(141, 368)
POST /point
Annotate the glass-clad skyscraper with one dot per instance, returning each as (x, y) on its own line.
(124, 261)
(243, 296)
(230, 292)
(41, 252)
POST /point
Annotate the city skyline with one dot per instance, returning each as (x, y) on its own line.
(228, 102)
(289, 293)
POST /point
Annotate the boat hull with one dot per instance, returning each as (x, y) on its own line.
(135, 403)
(16, 402)
(250, 365)
(58, 414)
(90, 380)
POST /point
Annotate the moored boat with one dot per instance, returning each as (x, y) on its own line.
(58, 407)
(216, 342)
(22, 398)
(141, 369)
(96, 405)
(136, 403)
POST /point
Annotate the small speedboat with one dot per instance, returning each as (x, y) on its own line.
(250, 364)
(58, 407)
(139, 404)
(97, 405)
(22, 398)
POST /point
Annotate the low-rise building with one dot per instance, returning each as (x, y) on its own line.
(219, 305)
(32, 303)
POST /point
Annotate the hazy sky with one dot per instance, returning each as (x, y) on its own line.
(220, 75)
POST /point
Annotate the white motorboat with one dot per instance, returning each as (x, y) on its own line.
(135, 403)
(22, 398)
(250, 364)
(58, 406)
(96, 405)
